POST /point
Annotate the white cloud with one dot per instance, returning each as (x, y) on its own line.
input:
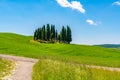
(74, 5)
(91, 22)
(117, 3)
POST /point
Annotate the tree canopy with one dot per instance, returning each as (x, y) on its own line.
(48, 34)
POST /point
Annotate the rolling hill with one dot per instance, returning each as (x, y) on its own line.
(20, 45)
(109, 45)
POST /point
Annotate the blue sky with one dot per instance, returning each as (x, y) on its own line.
(91, 21)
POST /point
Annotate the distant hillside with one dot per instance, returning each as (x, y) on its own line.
(21, 45)
(110, 45)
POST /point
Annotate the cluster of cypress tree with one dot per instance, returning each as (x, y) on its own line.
(48, 33)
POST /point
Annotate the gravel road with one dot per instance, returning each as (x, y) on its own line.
(23, 69)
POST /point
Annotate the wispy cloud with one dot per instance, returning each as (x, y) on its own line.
(91, 22)
(73, 5)
(116, 3)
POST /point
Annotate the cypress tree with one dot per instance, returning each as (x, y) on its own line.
(69, 35)
(39, 33)
(43, 32)
(56, 35)
(54, 32)
(48, 32)
(35, 35)
(51, 30)
(59, 38)
(63, 34)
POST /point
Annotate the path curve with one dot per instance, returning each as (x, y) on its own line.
(24, 67)
(23, 70)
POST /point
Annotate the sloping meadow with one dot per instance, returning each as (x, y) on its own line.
(48, 69)
(66, 58)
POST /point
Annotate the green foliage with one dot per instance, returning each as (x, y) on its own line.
(48, 69)
(56, 35)
(43, 32)
(69, 36)
(52, 32)
(63, 33)
(49, 34)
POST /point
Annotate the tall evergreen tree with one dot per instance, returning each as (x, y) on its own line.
(43, 32)
(52, 32)
(59, 38)
(39, 33)
(69, 35)
(63, 34)
(56, 35)
(48, 32)
(35, 35)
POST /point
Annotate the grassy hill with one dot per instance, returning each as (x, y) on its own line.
(110, 45)
(16, 44)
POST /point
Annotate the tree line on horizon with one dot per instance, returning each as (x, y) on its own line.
(48, 33)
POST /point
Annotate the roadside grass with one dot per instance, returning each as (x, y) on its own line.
(19, 45)
(5, 67)
(48, 69)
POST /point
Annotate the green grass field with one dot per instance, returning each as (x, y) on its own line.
(48, 69)
(60, 61)
(20, 45)
(5, 67)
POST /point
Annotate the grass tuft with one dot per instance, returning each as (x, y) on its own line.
(5, 67)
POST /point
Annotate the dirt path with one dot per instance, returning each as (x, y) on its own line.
(23, 70)
(104, 68)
